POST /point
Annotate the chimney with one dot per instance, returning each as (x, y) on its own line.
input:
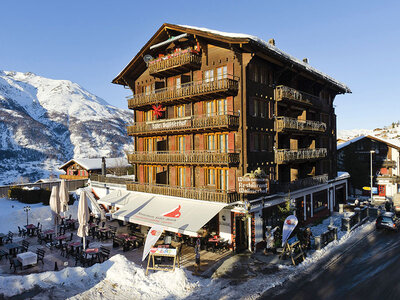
(103, 166)
(305, 60)
(271, 42)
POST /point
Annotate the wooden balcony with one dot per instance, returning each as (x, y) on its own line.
(109, 179)
(389, 164)
(193, 157)
(287, 93)
(292, 124)
(191, 91)
(204, 123)
(185, 192)
(286, 155)
(176, 63)
(284, 187)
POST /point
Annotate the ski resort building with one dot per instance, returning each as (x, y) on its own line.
(226, 128)
(355, 157)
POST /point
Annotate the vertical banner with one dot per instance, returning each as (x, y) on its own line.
(288, 227)
(152, 237)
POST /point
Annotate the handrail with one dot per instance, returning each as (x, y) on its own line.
(298, 184)
(184, 90)
(285, 92)
(175, 60)
(292, 123)
(284, 155)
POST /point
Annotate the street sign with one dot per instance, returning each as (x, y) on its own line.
(366, 188)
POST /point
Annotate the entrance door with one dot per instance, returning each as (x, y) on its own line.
(240, 239)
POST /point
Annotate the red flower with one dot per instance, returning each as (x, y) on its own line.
(158, 110)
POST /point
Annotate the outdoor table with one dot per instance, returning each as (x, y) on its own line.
(104, 233)
(27, 258)
(71, 223)
(12, 248)
(60, 238)
(49, 234)
(73, 245)
(93, 252)
(214, 242)
(30, 229)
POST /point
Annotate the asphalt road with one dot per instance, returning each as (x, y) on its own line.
(369, 269)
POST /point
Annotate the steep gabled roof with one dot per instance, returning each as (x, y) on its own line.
(230, 38)
(356, 139)
(95, 163)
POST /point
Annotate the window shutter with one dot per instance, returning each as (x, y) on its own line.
(231, 142)
(232, 179)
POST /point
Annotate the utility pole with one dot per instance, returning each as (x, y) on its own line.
(371, 152)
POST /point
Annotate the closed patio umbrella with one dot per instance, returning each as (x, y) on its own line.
(83, 217)
(64, 196)
(55, 205)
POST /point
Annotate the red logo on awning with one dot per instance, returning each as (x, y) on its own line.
(175, 213)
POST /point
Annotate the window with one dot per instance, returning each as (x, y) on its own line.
(180, 142)
(217, 142)
(181, 180)
(148, 89)
(209, 75)
(216, 107)
(150, 144)
(148, 115)
(180, 111)
(150, 174)
(222, 72)
(217, 177)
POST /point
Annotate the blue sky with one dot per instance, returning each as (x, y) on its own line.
(90, 42)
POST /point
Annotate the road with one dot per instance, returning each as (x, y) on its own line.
(369, 269)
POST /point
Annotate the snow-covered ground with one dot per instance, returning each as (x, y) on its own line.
(119, 278)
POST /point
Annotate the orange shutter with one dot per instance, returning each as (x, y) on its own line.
(201, 178)
(139, 116)
(188, 177)
(188, 142)
(140, 144)
(229, 68)
(231, 142)
(141, 174)
(232, 179)
(172, 176)
(172, 143)
(229, 103)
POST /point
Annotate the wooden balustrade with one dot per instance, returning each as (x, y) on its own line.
(72, 177)
(277, 187)
(175, 63)
(195, 90)
(185, 192)
(188, 157)
(191, 123)
(286, 123)
(287, 155)
(283, 92)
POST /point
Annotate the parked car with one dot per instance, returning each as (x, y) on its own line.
(389, 221)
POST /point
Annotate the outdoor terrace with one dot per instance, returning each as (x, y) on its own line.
(186, 92)
(204, 123)
(283, 92)
(191, 157)
(287, 155)
(185, 192)
(286, 124)
(175, 63)
(284, 187)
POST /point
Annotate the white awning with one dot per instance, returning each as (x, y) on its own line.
(117, 198)
(175, 214)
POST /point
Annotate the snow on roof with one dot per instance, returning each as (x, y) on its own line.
(345, 144)
(95, 163)
(389, 143)
(273, 49)
(342, 175)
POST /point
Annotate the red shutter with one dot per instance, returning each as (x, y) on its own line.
(201, 178)
(199, 108)
(231, 142)
(200, 138)
(170, 82)
(198, 76)
(140, 144)
(229, 103)
(172, 176)
(172, 143)
(188, 177)
(232, 179)
(188, 142)
(139, 116)
(141, 174)
(229, 68)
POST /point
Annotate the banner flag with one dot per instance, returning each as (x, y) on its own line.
(152, 237)
(288, 227)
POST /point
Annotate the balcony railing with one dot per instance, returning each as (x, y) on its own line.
(195, 90)
(192, 123)
(175, 63)
(194, 157)
(389, 164)
(287, 93)
(72, 177)
(286, 123)
(109, 179)
(287, 155)
(277, 187)
(185, 192)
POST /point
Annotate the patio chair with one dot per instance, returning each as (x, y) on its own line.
(24, 247)
(70, 237)
(81, 258)
(65, 252)
(9, 237)
(3, 253)
(40, 255)
(21, 232)
(104, 253)
(15, 263)
(41, 238)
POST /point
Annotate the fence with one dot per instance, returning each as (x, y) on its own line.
(71, 186)
(359, 216)
(325, 238)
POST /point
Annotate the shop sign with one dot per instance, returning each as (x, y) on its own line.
(248, 185)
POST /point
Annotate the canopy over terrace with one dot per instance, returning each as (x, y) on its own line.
(175, 214)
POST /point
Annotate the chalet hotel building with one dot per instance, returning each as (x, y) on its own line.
(211, 107)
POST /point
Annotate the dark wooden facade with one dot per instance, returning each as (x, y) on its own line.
(231, 106)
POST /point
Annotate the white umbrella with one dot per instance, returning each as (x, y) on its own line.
(83, 217)
(55, 205)
(64, 196)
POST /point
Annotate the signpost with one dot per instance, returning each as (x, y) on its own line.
(162, 252)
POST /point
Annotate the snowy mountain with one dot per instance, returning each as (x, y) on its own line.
(44, 122)
(389, 133)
